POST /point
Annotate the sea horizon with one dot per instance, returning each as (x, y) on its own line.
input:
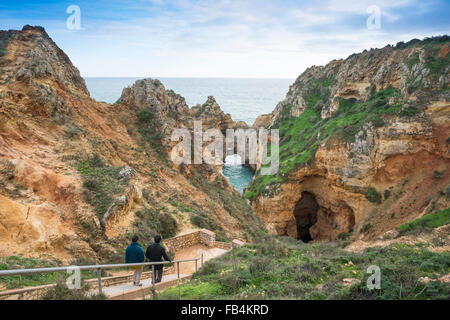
(243, 98)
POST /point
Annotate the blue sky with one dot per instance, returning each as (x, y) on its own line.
(222, 38)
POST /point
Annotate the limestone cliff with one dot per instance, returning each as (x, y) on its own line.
(364, 144)
(78, 177)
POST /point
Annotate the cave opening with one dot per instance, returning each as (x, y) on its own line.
(305, 213)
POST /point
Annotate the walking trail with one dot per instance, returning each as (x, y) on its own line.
(127, 291)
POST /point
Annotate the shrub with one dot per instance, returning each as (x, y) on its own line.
(260, 265)
(102, 183)
(62, 292)
(145, 115)
(302, 135)
(149, 223)
(210, 267)
(373, 195)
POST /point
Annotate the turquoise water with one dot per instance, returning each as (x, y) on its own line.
(244, 99)
(240, 176)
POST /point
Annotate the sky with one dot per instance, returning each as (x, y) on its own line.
(223, 38)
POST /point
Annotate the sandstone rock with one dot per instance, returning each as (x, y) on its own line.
(391, 234)
(126, 172)
(348, 282)
(237, 243)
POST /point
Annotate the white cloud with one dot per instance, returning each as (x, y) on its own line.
(228, 38)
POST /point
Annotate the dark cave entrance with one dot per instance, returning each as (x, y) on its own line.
(305, 213)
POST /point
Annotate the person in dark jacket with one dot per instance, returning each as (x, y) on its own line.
(154, 253)
(135, 254)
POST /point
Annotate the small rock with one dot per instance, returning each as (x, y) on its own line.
(348, 282)
(424, 280)
(237, 243)
(126, 172)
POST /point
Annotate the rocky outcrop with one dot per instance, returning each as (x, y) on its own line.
(364, 144)
(171, 112)
(263, 121)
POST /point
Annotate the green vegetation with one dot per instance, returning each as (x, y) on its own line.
(429, 221)
(300, 137)
(205, 221)
(373, 195)
(436, 64)
(62, 292)
(102, 182)
(285, 268)
(438, 175)
(431, 41)
(413, 60)
(20, 281)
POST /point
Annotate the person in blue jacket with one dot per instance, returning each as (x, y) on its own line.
(135, 254)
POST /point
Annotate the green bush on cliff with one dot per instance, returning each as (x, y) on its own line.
(150, 222)
(250, 224)
(101, 182)
(3, 45)
(284, 268)
(148, 127)
(373, 195)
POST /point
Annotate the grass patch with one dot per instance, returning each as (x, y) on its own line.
(62, 292)
(3, 46)
(38, 279)
(284, 268)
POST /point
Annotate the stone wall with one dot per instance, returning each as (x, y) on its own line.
(190, 239)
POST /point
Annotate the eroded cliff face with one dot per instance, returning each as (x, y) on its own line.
(78, 177)
(364, 144)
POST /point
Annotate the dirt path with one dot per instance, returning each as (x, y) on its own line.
(196, 251)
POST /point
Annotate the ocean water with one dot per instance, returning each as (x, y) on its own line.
(240, 176)
(243, 99)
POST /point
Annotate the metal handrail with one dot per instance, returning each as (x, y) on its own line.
(100, 267)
